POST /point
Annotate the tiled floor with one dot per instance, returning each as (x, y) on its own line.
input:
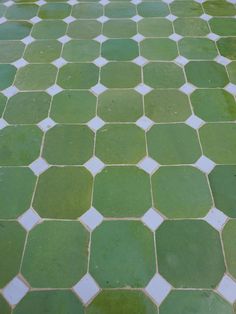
(118, 157)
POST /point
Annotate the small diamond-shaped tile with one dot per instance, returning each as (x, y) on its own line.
(194, 122)
(41, 2)
(46, 124)
(136, 18)
(39, 166)
(92, 218)
(100, 61)
(175, 37)
(20, 63)
(138, 37)
(168, 1)
(72, 2)
(35, 20)
(213, 36)
(10, 91)
(54, 89)
(140, 61)
(171, 17)
(222, 60)
(94, 165)
(101, 38)
(187, 88)
(64, 39)
(103, 19)
(227, 288)
(231, 1)
(200, 1)
(144, 123)
(8, 3)
(205, 164)
(216, 218)
(149, 165)
(231, 88)
(15, 290)
(104, 2)
(96, 123)
(143, 89)
(69, 19)
(181, 60)
(98, 89)
(86, 288)
(3, 123)
(2, 20)
(29, 219)
(136, 1)
(59, 62)
(206, 17)
(28, 40)
(152, 219)
(158, 289)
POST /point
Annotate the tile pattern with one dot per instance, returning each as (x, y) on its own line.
(117, 156)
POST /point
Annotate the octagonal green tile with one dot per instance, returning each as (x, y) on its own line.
(223, 26)
(4, 306)
(122, 192)
(53, 11)
(78, 76)
(121, 301)
(214, 105)
(120, 10)
(120, 49)
(227, 47)
(189, 254)
(153, 9)
(11, 247)
(206, 74)
(120, 144)
(24, 11)
(187, 26)
(27, 108)
(51, 301)
(7, 74)
(3, 100)
(197, 48)
(3, 9)
(113, 266)
(73, 107)
(120, 105)
(84, 29)
(155, 27)
(11, 51)
(173, 144)
(44, 261)
(193, 301)
(158, 49)
(120, 75)
(44, 76)
(82, 50)
(181, 192)
(87, 10)
(43, 51)
(186, 9)
(228, 236)
(167, 105)
(49, 29)
(232, 72)
(222, 181)
(19, 145)
(119, 28)
(219, 142)
(219, 8)
(163, 74)
(58, 150)
(13, 30)
(63, 192)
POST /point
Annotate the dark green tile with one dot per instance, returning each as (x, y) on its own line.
(198, 48)
(227, 47)
(43, 51)
(223, 26)
(113, 265)
(81, 50)
(219, 8)
(155, 27)
(54, 11)
(11, 51)
(120, 49)
(84, 29)
(153, 9)
(3, 100)
(21, 11)
(232, 72)
(63, 192)
(120, 28)
(186, 251)
(4, 306)
(13, 30)
(122, 192)
(229, 234)
(44, 261)
(158, 49)
(49, 29)
(7, 75)
(120, 10)
(191, 27)
(87, 10)
(186, 8)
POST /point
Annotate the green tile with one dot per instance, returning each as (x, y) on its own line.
(120, 10)
(11, 249)
(3, 100)
(206, 74)
(214, 105)
(219, 8)
(167, 105)
(223, 26)
(191, 27)
(19, 145)
(120, 49)
(84, 29)
(153, 9)
(232, 72)
(227, 47)
(54, 11)
(198, 48)
(120, 106)
(11, 51)
(63, 192)
(163, 74)
(78, 76)
(7, 75)
(155, 27)
(73, 107)
(158, 49)
(27, 108)
(120, 144)
(181, 192)
(173, 144)
(229, 233)
(4, 306)
(43, 51)
(16, 192)
(219, 142)
(58, 150)
(3, 9)
(120, 28)
(120, 75)
(121, 301)
(186, 250)
(201, 302)
(81, 50)
(49, 29)
(44, 261)
(87, 10)
(13, 30)
(53, 302)
(113, 266)
(222, 182)
(186, 8)
(122, 192)
(21, 11)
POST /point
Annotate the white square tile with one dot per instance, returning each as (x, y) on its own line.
(103, 19)
(138, 37)
(15, 290)
(20, 63)
(69, 19)
(98, 89)
(206, 17)
(3, 123)
(2, 20)
(200, 1)
(158, 289)
(152, 219)
(29, 219)
(180, 60)
(96, 123)
(8, 3)
(205, 164)
(46, 124)
(92, 218)
(231, 88)
(59, 62)
(194, 121)
(171, 17)
(144, 123)
(104, 2)
(187, 88)
(41, 2)
(168, 1)
(39, 166)
(141, 61)
(101, 39)
(222, 60)
(149, 165)
(72, 2)
(86, 288)
(94, 165)
(227, 288)
(28, 40)
(136, 1)
(64, 39)
(100, 61)
(10, 91)
(175, 37)
(35, 20)
(213, 36)
(216, 218)
(54, 89)
(136, 18)
(143, 89)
